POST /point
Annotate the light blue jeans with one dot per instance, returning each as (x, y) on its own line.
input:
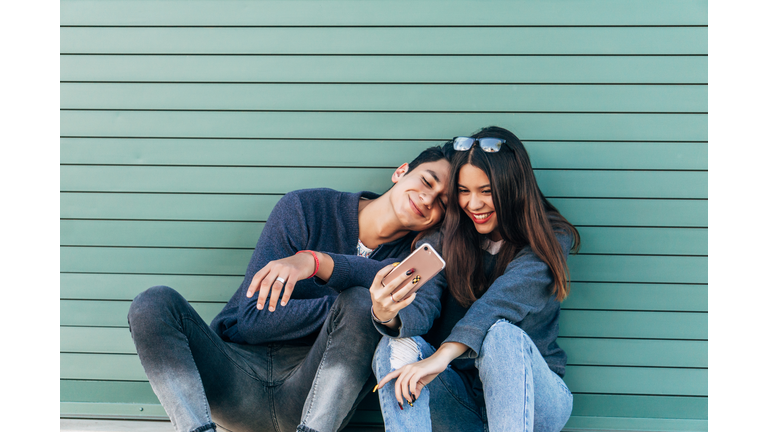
(521, 392)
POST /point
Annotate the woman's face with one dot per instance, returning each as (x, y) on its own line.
(476, 201)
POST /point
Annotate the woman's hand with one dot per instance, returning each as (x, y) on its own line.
(291, 269)
(413, 377)
(386, 305)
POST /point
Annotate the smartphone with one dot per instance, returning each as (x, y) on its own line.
(426, 263)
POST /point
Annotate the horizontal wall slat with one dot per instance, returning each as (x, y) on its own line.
(139, 392)
(636, 380)
(582, 379)
(384, 40)
(231, 262)
(389, 154)
(386, 97)
(559, 183)
(253, 208)
(128, 286)
(631, 296)
(600, 296)
(603, 240)
(573, 323)
(380, 12)
(581, 351)
(386, 69)
(342, 125)
(591, 424)
(619, 324)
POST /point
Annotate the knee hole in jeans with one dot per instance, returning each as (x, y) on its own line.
(403, 352)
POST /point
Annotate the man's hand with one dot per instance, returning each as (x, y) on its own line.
(291, 270)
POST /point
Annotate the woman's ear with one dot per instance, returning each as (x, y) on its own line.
(399, 172)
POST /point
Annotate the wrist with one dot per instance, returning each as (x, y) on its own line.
(316, 261)
(381, 321)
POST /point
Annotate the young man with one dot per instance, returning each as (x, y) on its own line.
(300, 360)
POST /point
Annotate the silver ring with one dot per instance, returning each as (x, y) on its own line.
(393, 299)
(281, 280)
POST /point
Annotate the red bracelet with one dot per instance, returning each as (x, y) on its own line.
(317, 262)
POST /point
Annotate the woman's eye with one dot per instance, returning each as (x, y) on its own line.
(423, 180)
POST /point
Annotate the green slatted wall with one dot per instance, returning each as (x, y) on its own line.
(183, 122)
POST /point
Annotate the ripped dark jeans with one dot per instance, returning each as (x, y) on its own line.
(204, 382)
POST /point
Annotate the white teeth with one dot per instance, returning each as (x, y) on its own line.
(482, 216)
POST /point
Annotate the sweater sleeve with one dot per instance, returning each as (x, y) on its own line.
(525, 287)
(284, 234)
(352, 270)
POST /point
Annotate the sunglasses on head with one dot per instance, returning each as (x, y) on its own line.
(489, 145)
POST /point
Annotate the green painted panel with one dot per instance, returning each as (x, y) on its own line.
(115, 313)
(152, 233)
(254, 208)
(581, 351)
(640, 406)
(661, 269)
(650, 241)
(279, 180)
(354, 153)
(633, 212)
(167, 206)
(582, 379)
(232, 262)
(99, 410)
(628, 296)
(573, 323)
(386, 97)
(384, 12)
(595, 296)
(616, 155)
(127, 286)
(114, 392)
(636, 380)
(386, 69)
(593, 424)
(357, 125)
(633, 352)
(621, 324)
(384, 40)
(111, 392)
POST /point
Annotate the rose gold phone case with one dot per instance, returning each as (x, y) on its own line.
(426, 262)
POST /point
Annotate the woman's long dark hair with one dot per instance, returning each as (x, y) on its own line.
(524, 218)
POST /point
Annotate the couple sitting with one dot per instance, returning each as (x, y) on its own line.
(293, 348)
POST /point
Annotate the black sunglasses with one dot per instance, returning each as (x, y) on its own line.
(489, 145)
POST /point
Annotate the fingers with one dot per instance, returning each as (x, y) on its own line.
(264, 289)
(389, 377)
(256, 281)
(381, 274)
(277, 286)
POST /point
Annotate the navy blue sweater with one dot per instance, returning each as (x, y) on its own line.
(321, 220)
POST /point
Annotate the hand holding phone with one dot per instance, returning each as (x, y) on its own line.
(422, 265)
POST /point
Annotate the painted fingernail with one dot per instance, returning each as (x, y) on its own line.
(416, 279)
(395, 264)
(410, 272)
(401, 406)
(409, 402)
(376, 387)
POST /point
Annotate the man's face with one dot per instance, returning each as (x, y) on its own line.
(419, 196)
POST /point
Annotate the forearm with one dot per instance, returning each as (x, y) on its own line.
(449, 351)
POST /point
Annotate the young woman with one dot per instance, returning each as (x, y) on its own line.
(492, 313)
